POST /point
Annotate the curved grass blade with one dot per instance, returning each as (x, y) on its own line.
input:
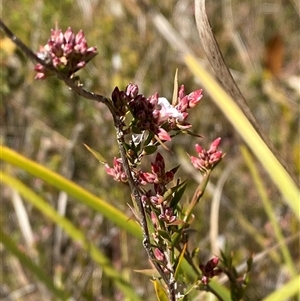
(71, 189)
(76, 234)
(31, 266)
(285, 292)
(236, 117)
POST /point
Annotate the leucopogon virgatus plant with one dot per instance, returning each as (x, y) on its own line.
(143, 126)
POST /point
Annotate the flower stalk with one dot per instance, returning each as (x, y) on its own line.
(156, 194)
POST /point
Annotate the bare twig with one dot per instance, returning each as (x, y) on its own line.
(23, 221)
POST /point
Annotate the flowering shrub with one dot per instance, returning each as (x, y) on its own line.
(143, 125)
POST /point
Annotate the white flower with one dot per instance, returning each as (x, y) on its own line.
(166, 110)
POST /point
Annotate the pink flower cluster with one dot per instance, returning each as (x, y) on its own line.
(155, 114)
(158, 175)
(186, 102)
(65, 51)
(160, 179)
(207, 159)
(154, 119)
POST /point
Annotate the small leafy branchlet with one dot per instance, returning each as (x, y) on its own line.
(155, 121)
(143, 124)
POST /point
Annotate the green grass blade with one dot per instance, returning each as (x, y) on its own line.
(220, 290)
(71, 189)
(233, 113)
(31, 266)
(270, 211)
(285, 292)
(76, 234)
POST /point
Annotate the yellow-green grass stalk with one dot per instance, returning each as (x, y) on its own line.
(242, 125)
(285, 292)
(26, 262)
(76, 234)
(269, 210)
(72, 189)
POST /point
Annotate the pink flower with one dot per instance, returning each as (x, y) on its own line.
(207, 160)
(188, 101)
(146, 178)
(167, 216)
(158, 169)
(166, 111)
(132, 90)
(117, 172)
(159, 255)
(194, 98)
(158, 175)
(163, 135)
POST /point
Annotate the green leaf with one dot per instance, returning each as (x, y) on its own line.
(180, 189)
(178, 261)
(148, 272)
(160, 291)
(150, 149)
(220, 290)
(97, 155)
(164, 234)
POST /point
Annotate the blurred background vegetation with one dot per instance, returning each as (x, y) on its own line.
(46, 122)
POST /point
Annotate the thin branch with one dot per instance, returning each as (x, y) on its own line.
(137, 200)
(68, 81)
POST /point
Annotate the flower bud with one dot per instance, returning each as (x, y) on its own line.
(66, 52)
(159, 255)
(132, 90)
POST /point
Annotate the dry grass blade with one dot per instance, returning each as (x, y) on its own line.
(67, 171)
(23, 219)
(215, 207)
(217, 62)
